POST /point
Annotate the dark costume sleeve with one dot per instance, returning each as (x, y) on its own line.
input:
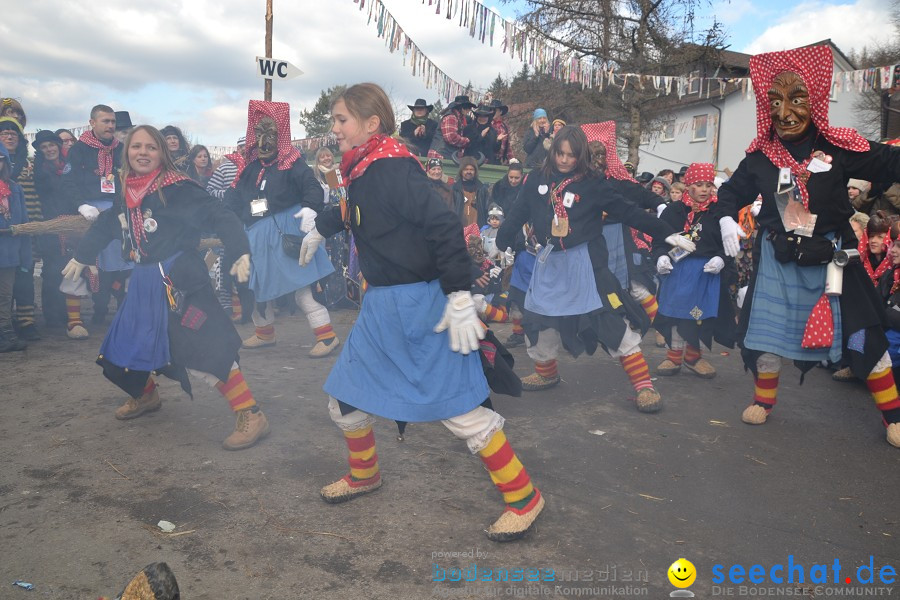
(736, 193)
(632, 215)
(105, 229)
(638, 194)
(518, 215)
(408, 130)
(199, 207)
(880, 163)
(310, 189)
(329, 221)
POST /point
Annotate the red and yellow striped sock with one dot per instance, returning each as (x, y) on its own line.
(675, 355)
(650, 306)
(638, 372)
(73, 310)
(766, 390)
(236, 313)
(884, 392)
(497, 314)
(691, 354)
(507, 472)
(363, 459)
(266, 333)
(547, 370)
(236, 391)
(150, 386)
(517, 327)
(324, 333)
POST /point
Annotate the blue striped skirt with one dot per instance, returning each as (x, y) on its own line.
(783, 297)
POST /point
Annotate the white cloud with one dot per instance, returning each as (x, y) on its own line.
(847, 25)
(191, 62)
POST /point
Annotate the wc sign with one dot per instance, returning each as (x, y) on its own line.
(272, 68)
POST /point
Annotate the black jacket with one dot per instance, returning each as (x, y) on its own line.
(504, 195)
(404, 232)
(50, 190)
(422, 144)
(704, 228)
(891, 300)
(187, 211)
(479, 144)
(80, 183)
(283, 189)
(595, 196)
(827, 191)
(481, 201)
(534, 148)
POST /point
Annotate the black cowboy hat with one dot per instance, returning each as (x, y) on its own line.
(682, 170)
(460, 102)
(484, 111)
(420, 103)
(495, 104)
(123, 120)
(45, 135)
(644, 177)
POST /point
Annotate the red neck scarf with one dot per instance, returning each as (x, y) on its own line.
(896, 285)
(814, 65)
(138, 187)
(280, 112)
(697, 172)
(355, 162)
(104, 152)
(883, 266)
(5, 193)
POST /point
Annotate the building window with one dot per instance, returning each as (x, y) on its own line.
(645, 138)
(694, 82)
(668, 131)
(700, 122)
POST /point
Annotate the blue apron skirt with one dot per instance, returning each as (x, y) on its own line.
(274, 273)
(393, 364)
(689, 293)
(563, 284)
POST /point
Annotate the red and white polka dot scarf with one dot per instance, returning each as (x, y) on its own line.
(695, 173)
(605, 133)
(280, 112)
(814, 65)
(355, 162)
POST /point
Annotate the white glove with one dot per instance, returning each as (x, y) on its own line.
(480, 303)
(508, 258)
(460, 317)
(495, 271)
(679, 241)
(73, 270)
(307, 218)
(309, 246)
(660, 209)
(241, 269)
(754, 208)
(714, 265)
(89, 212)
(664, 265)
(731, 234)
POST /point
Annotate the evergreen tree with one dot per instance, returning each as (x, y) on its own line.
(317, 121)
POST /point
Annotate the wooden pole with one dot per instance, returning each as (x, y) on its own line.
(267, 90)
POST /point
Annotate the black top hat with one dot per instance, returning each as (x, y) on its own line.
(484, 111)
(420, 103)
(460, 102)
(682, 170)
(495, 104)
(123, 120)
(45, 135)
(644, 177)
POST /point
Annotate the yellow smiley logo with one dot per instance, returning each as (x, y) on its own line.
(682, 573)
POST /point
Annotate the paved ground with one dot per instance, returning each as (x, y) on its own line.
(627, 493)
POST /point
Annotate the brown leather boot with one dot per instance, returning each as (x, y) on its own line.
(135, 407)
(249, 429)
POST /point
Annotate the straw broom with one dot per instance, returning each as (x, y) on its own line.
(66, 224)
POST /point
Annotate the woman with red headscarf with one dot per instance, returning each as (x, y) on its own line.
(800, 165)
(694, 305)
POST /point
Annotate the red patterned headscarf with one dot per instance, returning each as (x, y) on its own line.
(280, 112)
(138, 187)
(814, 65)
(605, 133)
(697, 172)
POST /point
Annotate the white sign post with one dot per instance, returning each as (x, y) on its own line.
(272, 68)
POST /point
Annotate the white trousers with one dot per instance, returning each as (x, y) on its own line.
(316, 314)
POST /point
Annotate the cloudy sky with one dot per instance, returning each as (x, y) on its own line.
(191, 62)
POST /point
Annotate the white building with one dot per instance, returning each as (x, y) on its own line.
(709, 125)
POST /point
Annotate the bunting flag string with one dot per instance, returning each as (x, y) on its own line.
(483, 22)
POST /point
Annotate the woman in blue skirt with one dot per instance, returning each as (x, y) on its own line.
(413, 353)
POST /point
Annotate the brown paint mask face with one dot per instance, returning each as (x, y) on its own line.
(598, 155)
(789, 106)
(266, 138)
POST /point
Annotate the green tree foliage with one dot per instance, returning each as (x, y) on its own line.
(317, 121)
